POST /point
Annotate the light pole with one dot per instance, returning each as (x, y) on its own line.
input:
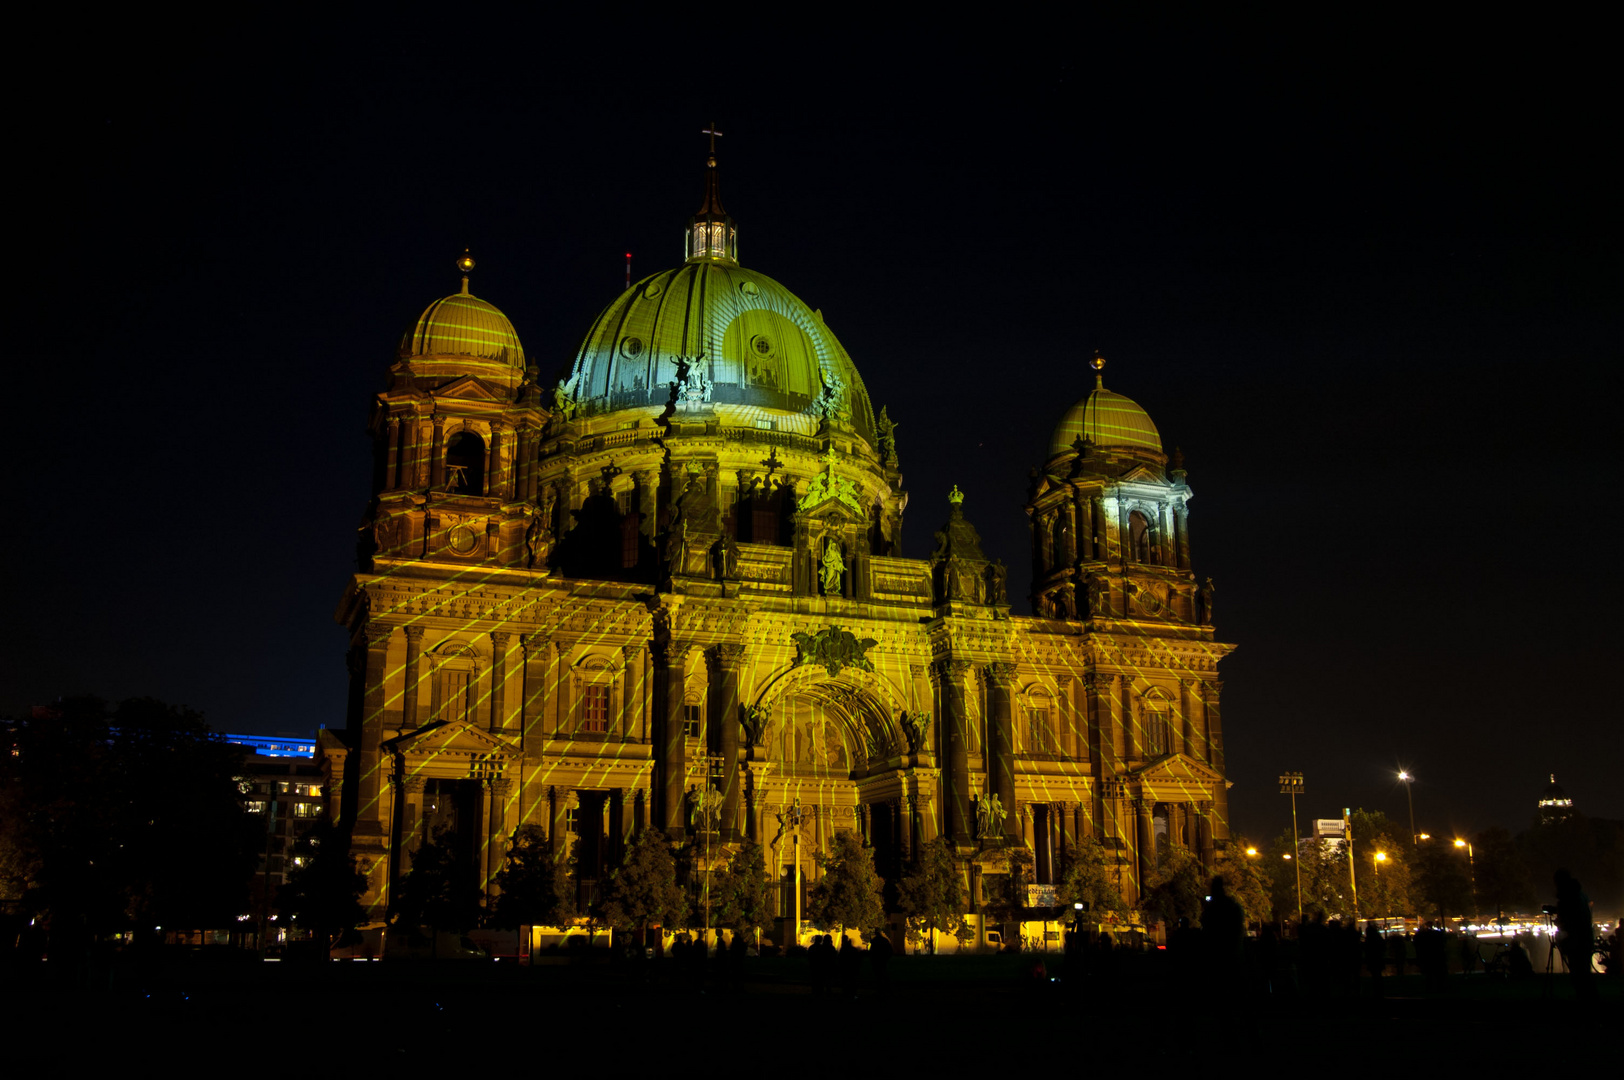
(1291, 783)
(792, 818)
(1381, 857)
(1471, 876)
(1403, 775)
(1347, 838)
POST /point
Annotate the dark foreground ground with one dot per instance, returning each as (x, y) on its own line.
(253, 1018)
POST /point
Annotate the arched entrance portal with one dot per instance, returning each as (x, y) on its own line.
(833, 745)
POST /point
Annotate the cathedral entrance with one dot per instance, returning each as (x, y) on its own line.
(451, 817)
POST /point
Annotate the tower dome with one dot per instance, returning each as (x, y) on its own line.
(463, 325)
(1108, 420)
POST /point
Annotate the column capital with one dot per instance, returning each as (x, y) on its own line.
(501, 638)
(378, 635)
(632, 653)
(414, 633)
(724, 657)
(1001, 672)
(947, 667)
(439, 419)
(499, 785)
(412, 784)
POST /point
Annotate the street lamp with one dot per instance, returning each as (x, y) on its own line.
(1252, 852)
(1381, 857)
(1407, 780)
(1471, 876)
(1291, 783)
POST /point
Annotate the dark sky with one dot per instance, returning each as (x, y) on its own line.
(1366, 275)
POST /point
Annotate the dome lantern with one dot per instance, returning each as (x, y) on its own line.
(711, 233)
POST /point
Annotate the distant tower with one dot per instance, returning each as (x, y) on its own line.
(1554, 804)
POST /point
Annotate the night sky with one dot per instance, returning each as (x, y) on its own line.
(1366, 275)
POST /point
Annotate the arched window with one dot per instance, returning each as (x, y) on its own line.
(1040, 728)
(465, 464)
(1139, 538)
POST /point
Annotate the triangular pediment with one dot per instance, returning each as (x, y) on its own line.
(456, 737)
(1176, 768)
(471, 388)
(1141, 474)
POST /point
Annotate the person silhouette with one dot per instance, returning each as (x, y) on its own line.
(1577, 934)
(1375, 956)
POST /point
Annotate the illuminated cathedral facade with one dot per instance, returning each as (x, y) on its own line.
(666, 591)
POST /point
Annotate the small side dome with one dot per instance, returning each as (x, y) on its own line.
(463, 325)
(1106, 419)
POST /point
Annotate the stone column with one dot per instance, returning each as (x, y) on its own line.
(408, 699)
(1215, 737)
(500, 640)
(495, 791)
(1001, 760)
(634, 695)
(391, 451)
(488, 477)
(534, 650)
(639, 811)
(669, 749)
(437, 454)
(1130, 742)
(950, 676)
(1066, 717)
(411, 824)
(1102, 529)
(617, 826)
(725, 662)
(1146, 836)
(1083, 513)
(1181, 534)
(1097, 694)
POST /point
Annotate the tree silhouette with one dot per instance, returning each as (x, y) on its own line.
(744, 894)
(932, 893)
(1088, 878)
(1175, 886)
(440, 890)
(643, 890)
(1244, 878)
(123, 818)
(535, 887)
(323, 893)
(849, 893)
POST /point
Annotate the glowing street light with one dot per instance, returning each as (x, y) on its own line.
(1407, 780)
(1252, 851)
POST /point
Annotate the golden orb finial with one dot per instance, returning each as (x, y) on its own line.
(465, 264)
(1098, 364)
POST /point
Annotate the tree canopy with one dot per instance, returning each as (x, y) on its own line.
(1089, 878)
(848, 895)
(535, 888)
(743, 894)
(1175, 886)
(932, 894)
(323, 892)
(643, 890)
(128, 817)
(439, 890)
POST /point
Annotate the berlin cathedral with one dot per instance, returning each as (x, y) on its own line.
(671, 578)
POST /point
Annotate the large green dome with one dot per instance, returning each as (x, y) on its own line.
(760, 347)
